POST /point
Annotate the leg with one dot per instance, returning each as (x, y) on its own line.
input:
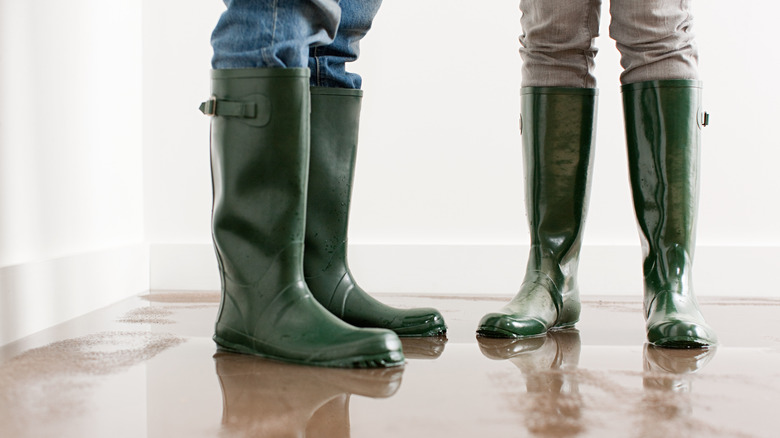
(558, 47)
(663, 135)
(260, 160)
(327, 62)
(655, 39)
(662, 108)
(559, 121)
(558, 136)
(335, 117)
(272, 33)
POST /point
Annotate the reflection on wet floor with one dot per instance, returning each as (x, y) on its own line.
(267, 398)
(668, 383)
(146, 367)
(553, 402)
(549, 366)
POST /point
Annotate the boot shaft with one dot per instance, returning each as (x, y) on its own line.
(558, 127)
(662, 121)
(558, 132)
(335, 119)
(259, 160)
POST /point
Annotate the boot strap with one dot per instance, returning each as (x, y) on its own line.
(255, 110)
(226, 108)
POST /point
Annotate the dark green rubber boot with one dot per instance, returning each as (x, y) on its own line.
(259, 162)
(663, 122)
(335, 118)
(558, 133)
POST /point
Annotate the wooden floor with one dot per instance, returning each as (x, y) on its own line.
(146, 367)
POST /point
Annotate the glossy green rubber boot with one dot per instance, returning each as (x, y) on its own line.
(558, 134)
(259, 162)
(663, 122)
(335, 118)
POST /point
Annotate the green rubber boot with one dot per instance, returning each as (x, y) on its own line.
(663, 135)
(558, 133)
(335, 117)
(259, 163)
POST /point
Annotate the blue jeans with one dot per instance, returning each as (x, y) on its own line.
(320, 34)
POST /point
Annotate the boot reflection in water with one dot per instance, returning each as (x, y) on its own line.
(430, 347)
(667, 379)
(549, 365)
(267, 398)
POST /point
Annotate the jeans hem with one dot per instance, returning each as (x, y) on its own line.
(265, 72)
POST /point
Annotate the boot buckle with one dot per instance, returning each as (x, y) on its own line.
(209, 107)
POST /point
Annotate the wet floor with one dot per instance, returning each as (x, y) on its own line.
(146, 367)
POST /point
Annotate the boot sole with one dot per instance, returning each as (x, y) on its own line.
(436, 331)
(380, 360)
(683, 343)
(495, 332)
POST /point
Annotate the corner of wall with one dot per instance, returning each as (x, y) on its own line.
(38, 295)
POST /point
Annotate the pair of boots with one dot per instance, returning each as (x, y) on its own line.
(662, 121)
(282, 159)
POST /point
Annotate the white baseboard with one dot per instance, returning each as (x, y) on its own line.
(35, 296)
(489, 269)
(183, 267)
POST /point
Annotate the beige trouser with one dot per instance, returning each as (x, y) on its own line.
(654, 37)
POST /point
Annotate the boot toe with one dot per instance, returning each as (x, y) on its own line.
(681, 334)
(499, 325)
(422, 322)
(364, 348)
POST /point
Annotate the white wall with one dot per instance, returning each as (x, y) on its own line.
(440, 163)
(176, 63)
(71, 200)
(71, 110)
(741, 153)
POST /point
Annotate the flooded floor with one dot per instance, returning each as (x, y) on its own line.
(146, 367)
